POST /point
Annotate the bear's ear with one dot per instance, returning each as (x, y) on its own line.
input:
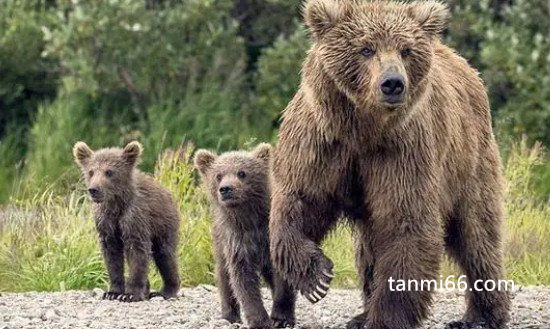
(322, 15)
(262, 151)
(82, 153)
(431, 15)
(203, 160)
(131, 152)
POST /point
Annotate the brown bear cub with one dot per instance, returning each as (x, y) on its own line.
(391, 129)
(237, 184)
(134, 217)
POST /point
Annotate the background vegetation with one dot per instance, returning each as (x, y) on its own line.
(217, 73)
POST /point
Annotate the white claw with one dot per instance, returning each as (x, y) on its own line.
(324, 284)
(322, 291)
(327, 274)
(311, 298)
(317, 296)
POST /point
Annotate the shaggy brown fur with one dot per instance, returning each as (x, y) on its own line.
(237, 184)
(392, 129)
(134, 216)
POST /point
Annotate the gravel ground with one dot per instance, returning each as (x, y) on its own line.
(199, 308)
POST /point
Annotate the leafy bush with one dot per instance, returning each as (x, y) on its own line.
(278, 76)
(150, 54)
(516, 55)
(28, 77)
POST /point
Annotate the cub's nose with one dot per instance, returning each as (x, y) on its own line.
(226, 190)
(392, 87)
(94, 193)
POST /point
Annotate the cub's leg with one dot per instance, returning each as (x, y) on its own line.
(113, 254)
(229, 303)
(245, 282)
(284, 300)
(137, 289)
(164, 255)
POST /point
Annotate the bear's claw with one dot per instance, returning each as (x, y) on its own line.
(130, 298)
(111, 295)
(282, 323)
(316, 285)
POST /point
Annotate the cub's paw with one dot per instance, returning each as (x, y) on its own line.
(283, 322)
(232, 318)
(163, 294)
(131, 298)
(111, 295)
(263, 324)
(467, 325)
(315, 284)
(358, 322)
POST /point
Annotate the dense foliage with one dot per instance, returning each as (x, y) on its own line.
(217, 72)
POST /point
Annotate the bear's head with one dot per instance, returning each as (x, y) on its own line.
(108, 172)
(234, 178)
(377, 53)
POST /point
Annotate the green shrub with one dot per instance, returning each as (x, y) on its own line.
(28, 76)
(278, 76)
(150, 54)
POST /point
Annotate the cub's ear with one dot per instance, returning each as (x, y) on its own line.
(431, 15)
(322, 15)
(131, 152)
(82, 153)
(262, 151)
(203, 160)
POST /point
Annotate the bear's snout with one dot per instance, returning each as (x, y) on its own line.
(226, 192)
(95, 194)
(392, 87)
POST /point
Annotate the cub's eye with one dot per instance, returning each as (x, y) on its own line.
(367, 52)
(219, 177)
(241, 174)
(406, 52)
(109, 173)
(90, 173)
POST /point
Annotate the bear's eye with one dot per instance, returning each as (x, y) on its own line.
(241, 174)
(90, 173)
(406, 52)
(109, 173)
(367, 52)
(219, 177)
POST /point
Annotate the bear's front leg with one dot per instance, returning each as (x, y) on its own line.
(245, 281)
(297, 226)
(137, 286)
(407, 251)
(113, 254)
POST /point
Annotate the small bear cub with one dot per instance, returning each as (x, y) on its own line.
(135, 217)
(237, 184)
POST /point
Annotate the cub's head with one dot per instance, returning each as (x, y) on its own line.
(377, 53)
(234, 178)
(108, 172)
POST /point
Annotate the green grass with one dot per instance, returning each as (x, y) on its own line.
(49, 242)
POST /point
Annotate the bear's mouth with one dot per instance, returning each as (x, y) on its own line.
(97, 199)
(229, 200)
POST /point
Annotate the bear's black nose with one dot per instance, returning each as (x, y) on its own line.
(226, 191)
(392, 85)
(93, 192)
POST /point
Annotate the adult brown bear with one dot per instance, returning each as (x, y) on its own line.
(391, 129)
